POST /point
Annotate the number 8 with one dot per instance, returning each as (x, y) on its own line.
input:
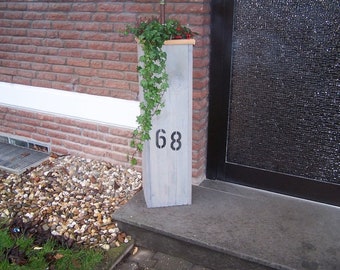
(176, 140)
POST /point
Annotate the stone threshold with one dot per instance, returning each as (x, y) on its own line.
(235, 227)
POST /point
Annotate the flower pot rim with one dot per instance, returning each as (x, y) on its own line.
(180, 42)
(190, 41)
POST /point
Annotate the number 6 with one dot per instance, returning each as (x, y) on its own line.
(160, 139)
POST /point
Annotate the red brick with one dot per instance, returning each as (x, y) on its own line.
(67, 78)
(13, 15)
(56, 134)
(62, 86)
(106, 27)
(27, 49)
(134, 87)
(46, 76)
(127, 18)
(29, 15)
(7, 23)
(98, 91)
(18, 32)
(102, 73)
(42, 67)
(41, 138)
(70, 145)
(92, 81)
(119, 158)
(144, 8)
(41, 83)
(200, 62)
(95, 45)
(93, 134)
(21, 133)
(56, 16)
(26, 73)
(57, 149)
(110, 7)
(125, 47)
(200, 83)
(5, 78)
(87, 125)
(201, 52)
(117, 140)
(36, 33)
(116, 65)
(9, 71)
(62, 69)
(201, 73)
(84, 7)
(62, 25)
(56, 60)
(77, 139)
(69, 34)
(129, 57)
(87, 26)
(5, 31)
(121, 132)
(18, 24)
(27, 57)
(16, 6)
(25, 114)
(129, 76)
(116, 84)
(78, 44)
(53, 43)
(69, 129)
(98, 144)
(112, 56)
(65, 7)
(84, 71)
(93, 54)
(40, 24)
(96, 64)
(95, 36)
(78, 62)
(39, 6)
(21, 80)
(74, 52)
(93, 152)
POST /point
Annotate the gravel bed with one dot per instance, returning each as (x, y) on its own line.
(72, 198)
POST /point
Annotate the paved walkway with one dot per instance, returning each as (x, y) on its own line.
(146, 259)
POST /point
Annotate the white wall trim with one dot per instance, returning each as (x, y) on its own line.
(99, 109)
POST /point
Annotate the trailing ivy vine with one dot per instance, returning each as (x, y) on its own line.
(151, 35)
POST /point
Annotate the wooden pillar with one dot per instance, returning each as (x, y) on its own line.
(167, 157)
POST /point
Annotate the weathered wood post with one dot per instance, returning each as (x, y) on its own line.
(167, 156)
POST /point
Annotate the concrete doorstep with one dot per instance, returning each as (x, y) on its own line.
(234, 227)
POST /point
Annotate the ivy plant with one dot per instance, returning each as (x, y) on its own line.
(151, 35)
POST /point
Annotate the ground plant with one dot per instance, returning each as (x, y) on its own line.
(22, 248)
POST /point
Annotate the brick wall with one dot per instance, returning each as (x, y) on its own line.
(69, 136)
(76, 46)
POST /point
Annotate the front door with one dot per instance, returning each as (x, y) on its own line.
(274, 120)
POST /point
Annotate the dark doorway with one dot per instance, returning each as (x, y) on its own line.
(274, 97)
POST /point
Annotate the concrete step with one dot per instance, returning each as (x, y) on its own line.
(235, 227)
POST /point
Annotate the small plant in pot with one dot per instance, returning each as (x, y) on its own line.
(151, 35)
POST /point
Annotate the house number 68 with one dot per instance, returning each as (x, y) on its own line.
(175, 137)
